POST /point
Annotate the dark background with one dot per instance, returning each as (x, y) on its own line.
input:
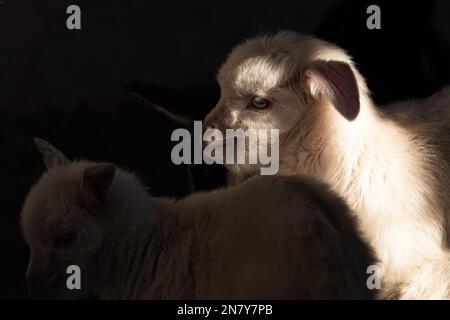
(70, 86)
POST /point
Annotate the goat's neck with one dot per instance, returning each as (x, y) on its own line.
(381, 171)
(126, 260)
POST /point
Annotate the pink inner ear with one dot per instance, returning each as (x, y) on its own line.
(336, 81)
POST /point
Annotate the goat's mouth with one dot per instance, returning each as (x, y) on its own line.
(218, 142)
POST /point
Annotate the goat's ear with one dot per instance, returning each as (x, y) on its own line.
(96, 182)
(336, 82)
(51, 156)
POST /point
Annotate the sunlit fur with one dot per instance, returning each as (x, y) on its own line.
(390, 165)
(270, 237)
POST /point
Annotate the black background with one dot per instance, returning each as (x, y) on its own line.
(69, 86)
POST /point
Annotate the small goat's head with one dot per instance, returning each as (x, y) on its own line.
(62, 222)
(275, 81)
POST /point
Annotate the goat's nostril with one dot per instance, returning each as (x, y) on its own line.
(205, 143)
(206, 134)
(211, 133)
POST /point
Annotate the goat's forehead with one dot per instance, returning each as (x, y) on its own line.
(262, 72)
(49, 201)
(266, 62)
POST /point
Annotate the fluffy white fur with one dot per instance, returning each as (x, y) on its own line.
(390, 165)
(270, 237)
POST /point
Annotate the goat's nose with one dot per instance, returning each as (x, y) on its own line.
(207, 138)
(209, 126)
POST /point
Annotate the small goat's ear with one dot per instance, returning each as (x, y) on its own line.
(336, 82)
(97, 180)
(51, 156)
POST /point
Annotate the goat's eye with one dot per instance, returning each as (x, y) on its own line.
(260, 103)
(64, 240)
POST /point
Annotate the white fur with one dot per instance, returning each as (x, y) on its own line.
(392, 167)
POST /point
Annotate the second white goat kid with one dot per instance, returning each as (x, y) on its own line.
(268, 238)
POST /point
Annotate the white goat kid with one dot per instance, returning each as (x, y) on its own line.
(390, 165)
